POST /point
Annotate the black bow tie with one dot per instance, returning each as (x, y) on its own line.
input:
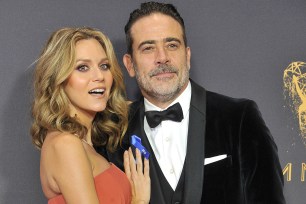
(174, 113)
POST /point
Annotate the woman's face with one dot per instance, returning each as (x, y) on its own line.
(89, 85)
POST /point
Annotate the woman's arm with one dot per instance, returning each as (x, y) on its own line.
(71, 170)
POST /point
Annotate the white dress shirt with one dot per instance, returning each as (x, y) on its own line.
(169, 139)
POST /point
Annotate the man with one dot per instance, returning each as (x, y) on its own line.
(218, 149)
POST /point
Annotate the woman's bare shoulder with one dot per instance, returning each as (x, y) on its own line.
(62, 149)
(57, 141)
(67, 167)
(61, 154)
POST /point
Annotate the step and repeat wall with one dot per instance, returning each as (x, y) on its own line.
(245, 49)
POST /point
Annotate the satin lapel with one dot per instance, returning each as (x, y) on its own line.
(194, 161)
(136, 128)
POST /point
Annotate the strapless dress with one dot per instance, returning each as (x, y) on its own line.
(112, 187)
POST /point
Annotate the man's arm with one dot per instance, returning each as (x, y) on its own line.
(261, 174)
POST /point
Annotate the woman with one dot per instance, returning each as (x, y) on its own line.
(79, 102)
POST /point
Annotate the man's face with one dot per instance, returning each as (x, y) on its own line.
(160, 61)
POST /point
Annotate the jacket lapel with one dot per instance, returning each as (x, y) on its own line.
(194, 161)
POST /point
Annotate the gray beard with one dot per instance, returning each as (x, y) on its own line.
(158, 93)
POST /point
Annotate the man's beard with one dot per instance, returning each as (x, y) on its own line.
(161, 93)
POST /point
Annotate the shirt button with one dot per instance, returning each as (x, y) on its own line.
(167, 139)
(171, 171)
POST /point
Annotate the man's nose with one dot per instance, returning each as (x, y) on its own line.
(162, 56)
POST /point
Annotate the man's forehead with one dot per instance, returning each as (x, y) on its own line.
(156, 27)
(159, 18)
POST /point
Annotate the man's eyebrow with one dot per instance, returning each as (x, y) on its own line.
(146, 42)
(150, 42)
(170, 39)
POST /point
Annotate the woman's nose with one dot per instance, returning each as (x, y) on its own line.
(97, 74)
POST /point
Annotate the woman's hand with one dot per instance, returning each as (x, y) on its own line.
(138, 176)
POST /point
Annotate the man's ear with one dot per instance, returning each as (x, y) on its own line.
(188, 53)
(128, 63)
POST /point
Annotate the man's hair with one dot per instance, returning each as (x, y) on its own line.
(147, 9)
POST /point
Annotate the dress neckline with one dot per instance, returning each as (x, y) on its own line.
(108, 169)
(112, 166)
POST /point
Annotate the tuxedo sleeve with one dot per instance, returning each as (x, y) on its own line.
(261, 174)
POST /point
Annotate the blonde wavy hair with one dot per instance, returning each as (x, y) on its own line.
(50, 110)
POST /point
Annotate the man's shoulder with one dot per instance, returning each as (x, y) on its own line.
(214, 98)
(135, 105)
(219, 103)
(135, 108)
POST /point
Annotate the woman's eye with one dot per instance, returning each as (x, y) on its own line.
(82, 68)
(105, 66)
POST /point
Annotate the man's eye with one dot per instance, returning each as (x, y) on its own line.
(105, 66)
(148, 48)
(82, 68)
(172, 46)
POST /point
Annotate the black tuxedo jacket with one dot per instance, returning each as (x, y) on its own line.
(218, 125)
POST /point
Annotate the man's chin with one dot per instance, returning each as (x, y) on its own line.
(165, 77)
(165, 91)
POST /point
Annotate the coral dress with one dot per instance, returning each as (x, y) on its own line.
(112, 187)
